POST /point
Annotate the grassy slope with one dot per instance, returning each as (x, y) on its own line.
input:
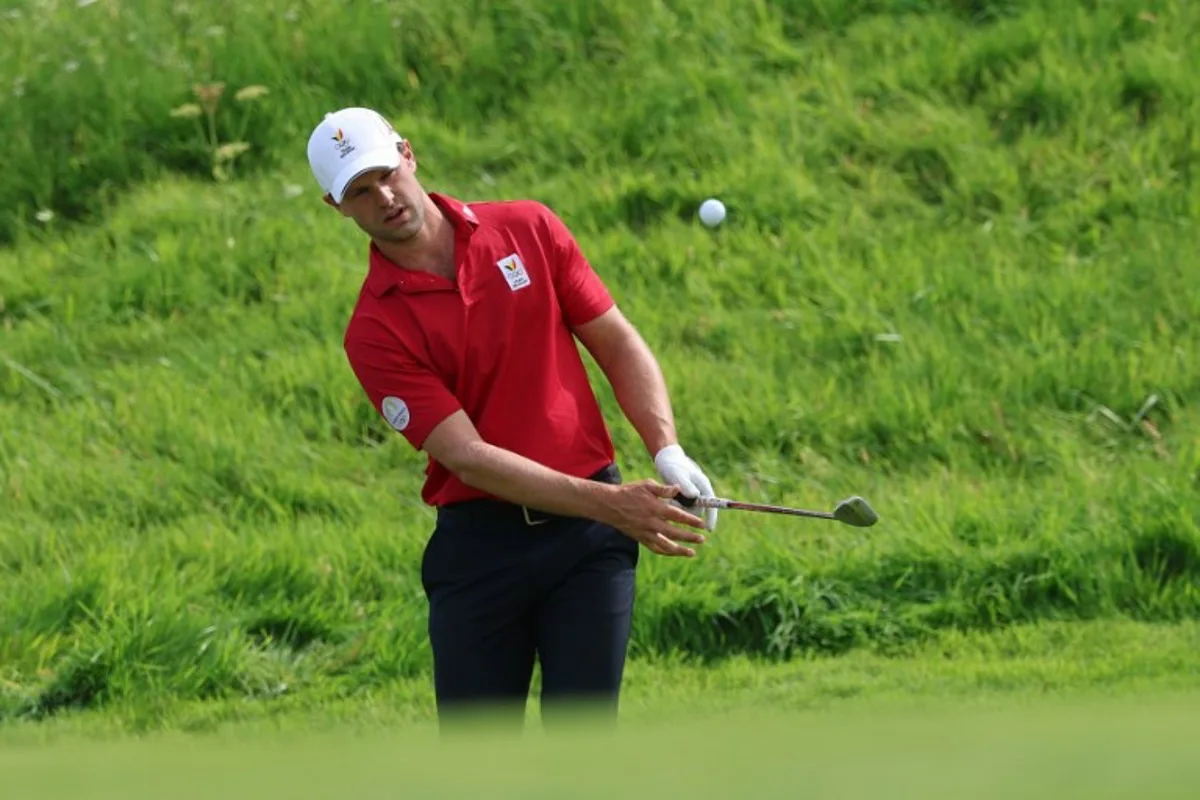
(198, 502)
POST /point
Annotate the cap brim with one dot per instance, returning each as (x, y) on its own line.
(379, 158)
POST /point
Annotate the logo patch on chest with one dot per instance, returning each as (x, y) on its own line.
(513, 270)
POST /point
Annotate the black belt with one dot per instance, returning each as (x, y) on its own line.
(488, 511)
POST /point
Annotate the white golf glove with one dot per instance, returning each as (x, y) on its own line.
(677, 469)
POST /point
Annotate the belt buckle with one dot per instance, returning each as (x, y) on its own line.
(529, 520)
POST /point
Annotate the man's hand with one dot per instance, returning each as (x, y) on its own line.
(677, 469)
(638, 511)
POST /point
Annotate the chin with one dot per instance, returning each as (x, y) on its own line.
(399, 233)
(405, 233)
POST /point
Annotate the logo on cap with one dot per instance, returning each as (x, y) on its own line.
(344, 146)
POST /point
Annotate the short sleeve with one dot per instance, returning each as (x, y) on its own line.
(581, 293)
(409, 396)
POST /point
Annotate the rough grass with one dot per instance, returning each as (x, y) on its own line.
(955, 278)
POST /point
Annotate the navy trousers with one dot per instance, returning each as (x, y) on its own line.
(507, 585)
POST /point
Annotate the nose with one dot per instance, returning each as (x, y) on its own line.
(384, 195)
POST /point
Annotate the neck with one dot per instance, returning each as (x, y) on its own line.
(431, 250)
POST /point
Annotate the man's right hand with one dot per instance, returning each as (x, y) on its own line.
(637, 510)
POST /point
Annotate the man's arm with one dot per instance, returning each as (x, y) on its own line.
(634, 374)
(641, 390)
(635, 509)
(589, 310)
(630, 367)
(456, 444)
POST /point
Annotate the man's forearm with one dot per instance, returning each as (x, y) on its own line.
(641, 391)
(519, 480)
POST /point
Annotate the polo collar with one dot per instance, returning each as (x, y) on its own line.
(383, 273)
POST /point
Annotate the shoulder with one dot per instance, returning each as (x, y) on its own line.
(523, 214)
(367, 326)
(523, 217)
(362, 328)
(519, 214)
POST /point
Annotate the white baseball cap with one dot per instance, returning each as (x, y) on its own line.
(348, 143)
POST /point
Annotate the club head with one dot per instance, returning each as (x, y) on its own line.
(855, 511)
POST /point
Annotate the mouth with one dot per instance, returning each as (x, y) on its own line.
(396, 216)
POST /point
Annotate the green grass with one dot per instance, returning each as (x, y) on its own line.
(1024, 665)
(956, 278)
(1046, 712)
(1110, 750)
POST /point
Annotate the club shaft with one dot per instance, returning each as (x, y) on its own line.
(796, 512)
(770, 509)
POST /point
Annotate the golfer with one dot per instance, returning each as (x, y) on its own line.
(463, 337)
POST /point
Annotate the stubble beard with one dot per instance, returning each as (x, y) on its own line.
(406, 232)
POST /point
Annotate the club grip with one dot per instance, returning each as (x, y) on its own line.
(700, 502)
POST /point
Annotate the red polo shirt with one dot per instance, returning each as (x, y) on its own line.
(496, 343)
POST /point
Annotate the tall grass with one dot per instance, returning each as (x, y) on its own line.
(956, 278)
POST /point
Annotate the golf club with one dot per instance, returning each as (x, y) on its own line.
(852, 511)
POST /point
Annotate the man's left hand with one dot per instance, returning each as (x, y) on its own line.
(677, 469)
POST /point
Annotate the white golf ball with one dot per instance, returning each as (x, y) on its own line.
(712, 212)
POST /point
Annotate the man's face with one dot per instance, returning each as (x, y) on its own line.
(387, 204)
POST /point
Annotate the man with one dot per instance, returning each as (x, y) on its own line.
(463, 337)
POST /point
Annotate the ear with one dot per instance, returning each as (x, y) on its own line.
(407, 154)
(329, 201)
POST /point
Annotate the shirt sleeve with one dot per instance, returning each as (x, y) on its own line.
(410, 397)
(581, 293)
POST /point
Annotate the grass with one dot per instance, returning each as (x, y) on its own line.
(1110, 750)
(955, 278)
(1103, 710)
(1025, 665)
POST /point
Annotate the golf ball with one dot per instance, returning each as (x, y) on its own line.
(712, 212)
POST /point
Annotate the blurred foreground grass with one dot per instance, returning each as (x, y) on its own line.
(1099, 749)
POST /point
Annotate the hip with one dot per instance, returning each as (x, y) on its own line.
(477, 538)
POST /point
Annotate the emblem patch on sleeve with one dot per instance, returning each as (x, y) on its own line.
(395, 411)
